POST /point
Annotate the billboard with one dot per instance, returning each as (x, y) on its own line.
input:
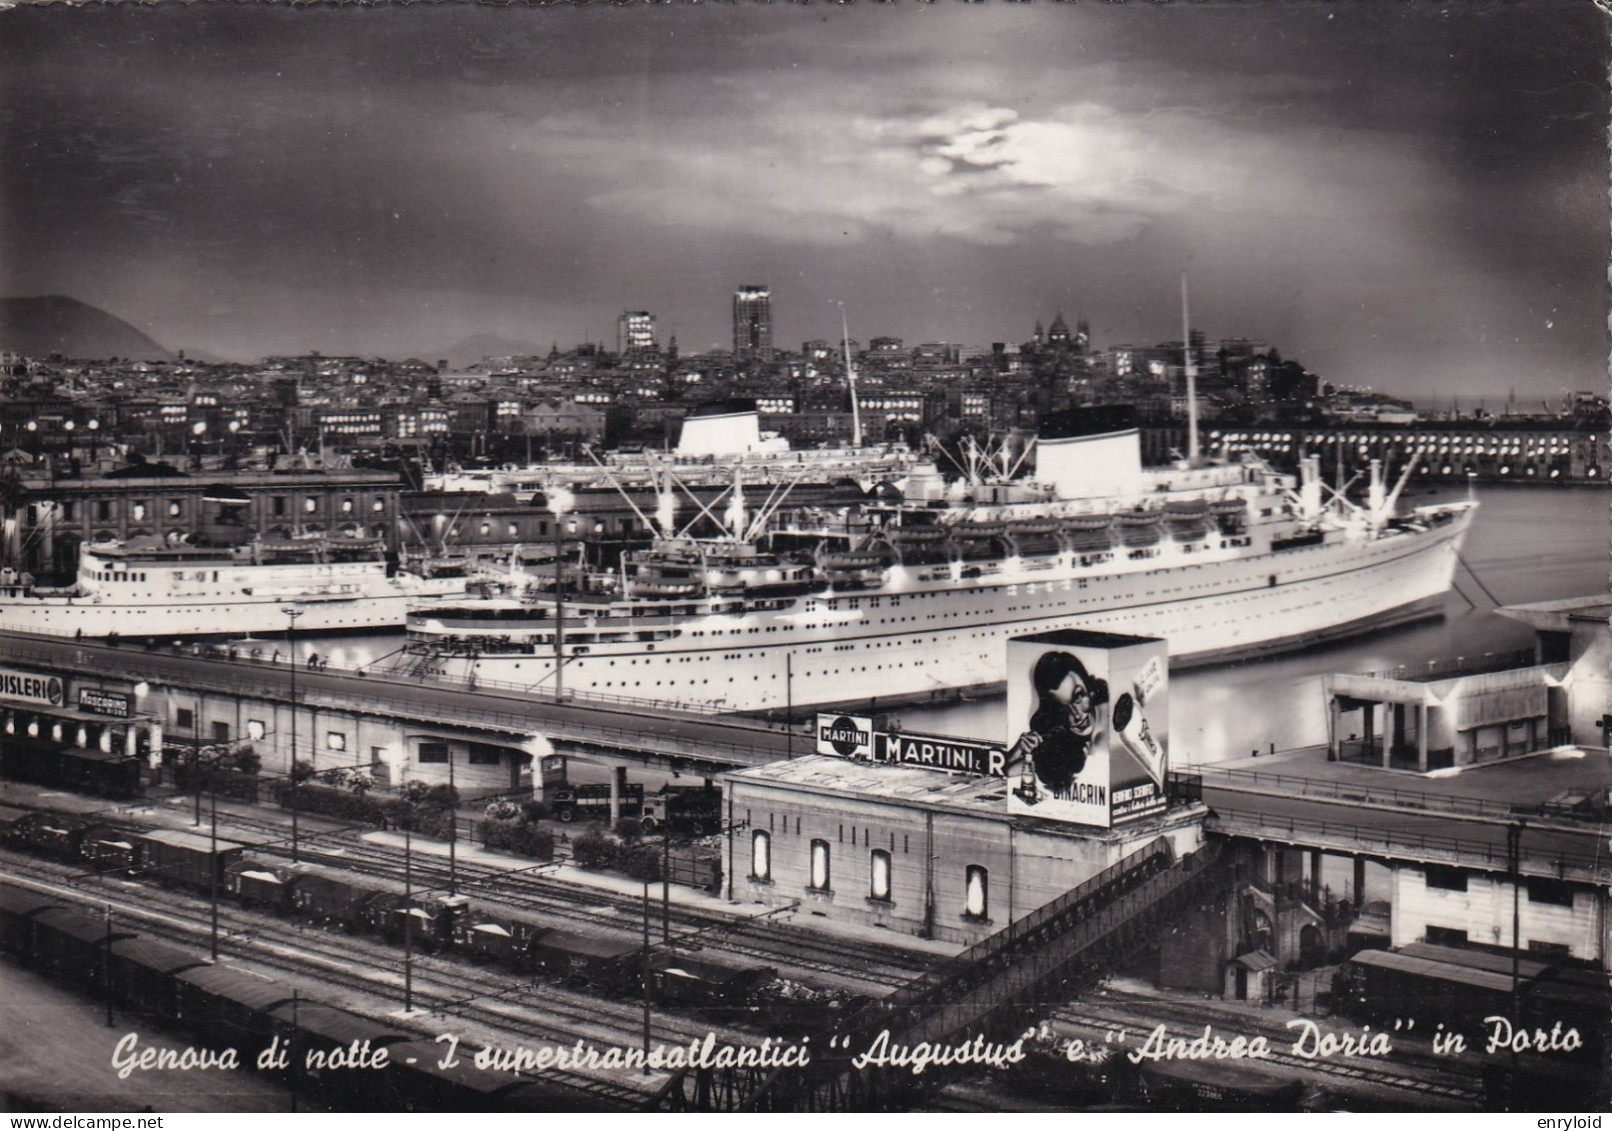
(94, 701)
(860, 737)
(845, 736)
(1088, 726)
(31, 687)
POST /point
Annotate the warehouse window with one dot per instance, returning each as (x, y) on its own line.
(1446, 879)
(184, 718)
(1553, 892)
(433, 752)
(879, 876)
(761, 856)
(977, 892)
(820, 876)
(480, 754)
(1445, 936)
(335, 740)
(255, 729)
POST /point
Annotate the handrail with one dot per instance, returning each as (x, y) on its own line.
(1239, 822)
(1289, 784)
(229, 678)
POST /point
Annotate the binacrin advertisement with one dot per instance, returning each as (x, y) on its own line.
(1088, 726)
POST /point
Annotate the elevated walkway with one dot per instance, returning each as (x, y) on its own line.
(994, 990)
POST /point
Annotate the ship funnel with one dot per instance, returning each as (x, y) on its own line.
(731, 427)
(1090, 453)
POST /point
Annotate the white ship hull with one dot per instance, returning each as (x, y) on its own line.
(928, 631)
(190, 596)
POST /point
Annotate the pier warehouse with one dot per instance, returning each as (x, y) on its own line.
(919, 851)
(953, 839)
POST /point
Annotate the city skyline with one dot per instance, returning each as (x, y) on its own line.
(1401, 198)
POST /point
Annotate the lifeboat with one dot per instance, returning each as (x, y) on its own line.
(1229, 506)
(1137, 521)
(850, 560)
(664, 589)
(980, 529)
(1030, 526)
(1081, 522)
(911, 534)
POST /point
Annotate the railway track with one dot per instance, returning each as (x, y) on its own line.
(1412, 1073)
(841, 963)
(494, 1009)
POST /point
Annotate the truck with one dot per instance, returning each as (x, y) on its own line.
(592, 802)
(693, 809)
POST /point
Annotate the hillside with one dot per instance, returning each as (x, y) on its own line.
(41, 326)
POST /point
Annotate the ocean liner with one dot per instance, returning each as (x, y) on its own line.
(913, 593)
(146, 588)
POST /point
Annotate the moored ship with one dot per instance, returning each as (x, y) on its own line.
(145, 587)
(912, 594)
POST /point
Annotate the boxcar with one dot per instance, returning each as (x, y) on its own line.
(67, 944)
(330, 901)
(11, 820)
(1384, 986)
(18, 906)
(502, 938)
(1186, 1085)
(434, 918)
(680, 980)
(105, 848)
(607, 960)
(416, 1081)
(52, 834)
(143, 973)
(260, 884)
(227, 1007)
(105, 774)
(186, 859)
(322, 1031)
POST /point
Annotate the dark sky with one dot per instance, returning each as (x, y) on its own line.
(1410, 196)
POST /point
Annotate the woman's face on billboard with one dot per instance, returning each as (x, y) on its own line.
(1072, 693)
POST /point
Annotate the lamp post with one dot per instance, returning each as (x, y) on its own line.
(561, 501)
(293, 613)
(1514, 859)
(408, 913)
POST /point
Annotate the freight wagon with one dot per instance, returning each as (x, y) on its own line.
(184, 859)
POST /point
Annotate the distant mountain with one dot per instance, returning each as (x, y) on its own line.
(39, 327)
(478, 346)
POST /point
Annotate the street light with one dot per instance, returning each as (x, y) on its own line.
(291, 643)
(561, 501)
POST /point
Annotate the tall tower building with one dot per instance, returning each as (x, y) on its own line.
(635, 332)
(752, 323)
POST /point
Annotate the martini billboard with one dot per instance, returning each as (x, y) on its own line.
(1088, 726)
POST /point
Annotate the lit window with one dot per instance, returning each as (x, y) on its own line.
(378, 506)
(760, 856)
(977, 896)
(309, 505)
(820, 875)
(255, 730)
(138, 510)
(336, 740)
(346, 506)
(879, 878)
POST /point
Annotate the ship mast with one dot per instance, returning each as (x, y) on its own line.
(850, 380)
(1192, 376)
